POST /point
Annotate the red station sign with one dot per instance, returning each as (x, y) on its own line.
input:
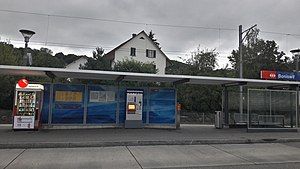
(267, 74)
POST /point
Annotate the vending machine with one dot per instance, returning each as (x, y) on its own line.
(27, 106)
(134, 109)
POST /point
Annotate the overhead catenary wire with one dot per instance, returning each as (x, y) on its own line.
(48, 15)
(115, 20)
(138, 23)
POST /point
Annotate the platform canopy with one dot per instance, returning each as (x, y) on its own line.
(140, 77)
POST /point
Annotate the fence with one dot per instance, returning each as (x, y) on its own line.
(191, 117)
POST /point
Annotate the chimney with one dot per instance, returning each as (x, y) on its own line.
(133, 35)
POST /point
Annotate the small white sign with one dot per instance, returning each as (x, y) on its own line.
(102, 96)
(23, 122)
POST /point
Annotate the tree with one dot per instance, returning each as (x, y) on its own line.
(259, 54)
(135, 66)
(44, 58)
(201, 62)
(98, 61)
(151, 36)
(199, 98)
(67, 59)
(8, 55)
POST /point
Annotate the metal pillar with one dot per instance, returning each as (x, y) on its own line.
(50, 104)
(85, 104)
(225, 106)
(241, 66)
(118, 105)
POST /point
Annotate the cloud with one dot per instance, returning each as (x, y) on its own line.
(270, 15)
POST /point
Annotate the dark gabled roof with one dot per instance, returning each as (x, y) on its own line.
(142, 32)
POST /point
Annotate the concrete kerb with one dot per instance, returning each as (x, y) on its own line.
(141, 143)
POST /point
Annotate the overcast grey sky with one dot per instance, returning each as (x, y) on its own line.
(99, 23)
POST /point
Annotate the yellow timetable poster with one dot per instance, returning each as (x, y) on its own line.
(68, 96)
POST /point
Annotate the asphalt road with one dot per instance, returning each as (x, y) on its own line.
(221, 156)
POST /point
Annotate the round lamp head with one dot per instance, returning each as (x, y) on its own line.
(295, 51)
(27, 34)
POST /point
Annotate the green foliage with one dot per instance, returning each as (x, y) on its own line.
(177, 68)
(259, 54)
(8, 55)
(199, 98)
(202, 62)
(134, 66)
(44, 58)
(67, 59)
(98, 62)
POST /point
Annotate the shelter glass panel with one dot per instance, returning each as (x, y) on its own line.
(68, 109)
(271, 108)
(102, 104)
(162, 106)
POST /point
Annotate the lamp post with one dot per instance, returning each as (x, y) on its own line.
(27, 34)
(296, 53)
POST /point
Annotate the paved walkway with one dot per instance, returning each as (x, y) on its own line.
(188, 134)
(221, 156)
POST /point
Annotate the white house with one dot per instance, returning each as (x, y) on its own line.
(76, 64)
(140, 48)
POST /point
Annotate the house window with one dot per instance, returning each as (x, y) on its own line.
(132, 51)
(150, 53)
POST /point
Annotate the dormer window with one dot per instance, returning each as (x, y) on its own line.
(150, 53)
(142, 38)
(132, 51)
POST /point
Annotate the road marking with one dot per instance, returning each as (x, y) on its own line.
(243, 158)
(14, 159)
(134, 157)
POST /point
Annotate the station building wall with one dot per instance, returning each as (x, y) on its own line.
(71, 104)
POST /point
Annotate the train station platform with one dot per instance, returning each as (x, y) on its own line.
(103, 137)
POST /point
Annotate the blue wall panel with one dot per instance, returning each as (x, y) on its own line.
(101, 112)
(68, 112)
(162, 106)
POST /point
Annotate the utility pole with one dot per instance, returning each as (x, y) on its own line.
(241, 39)
(296, 53)
(241, 67)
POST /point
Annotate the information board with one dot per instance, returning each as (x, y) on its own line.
(68, 96)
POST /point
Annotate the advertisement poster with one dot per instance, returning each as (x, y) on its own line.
(68, 96)
(23, 122)
(102, 96)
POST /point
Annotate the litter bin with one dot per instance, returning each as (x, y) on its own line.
(219, 119)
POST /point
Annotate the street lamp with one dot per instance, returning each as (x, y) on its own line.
(241, 39)
(27, 34)
(296, 53)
